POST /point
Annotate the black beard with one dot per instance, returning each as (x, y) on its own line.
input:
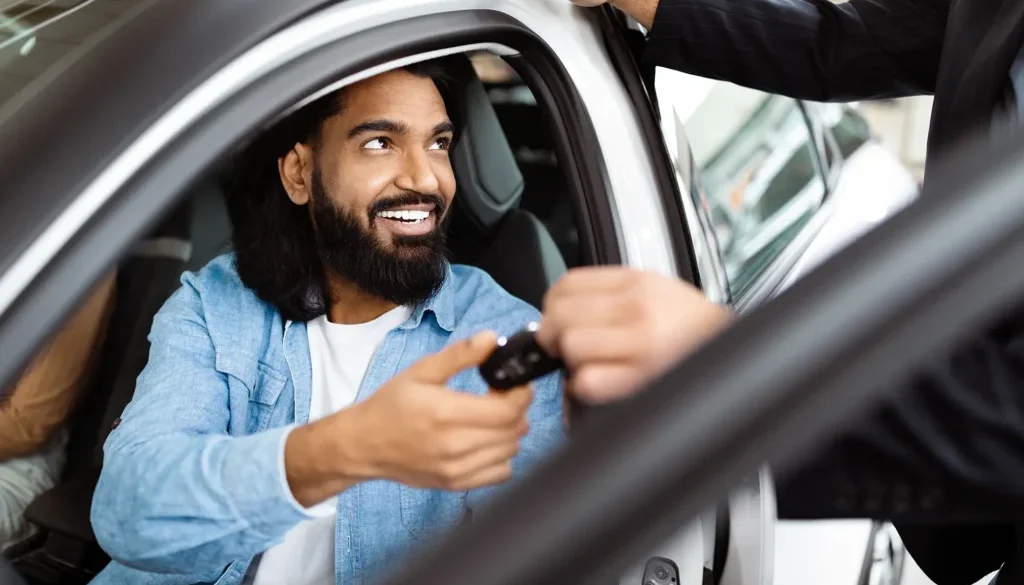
(410, 273)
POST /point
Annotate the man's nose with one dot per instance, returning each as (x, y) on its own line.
(417, 173)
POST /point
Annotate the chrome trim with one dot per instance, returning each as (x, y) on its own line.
(569, 31)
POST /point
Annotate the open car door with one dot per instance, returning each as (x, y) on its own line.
(780, 380)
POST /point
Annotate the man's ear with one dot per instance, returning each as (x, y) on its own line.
(296, 170)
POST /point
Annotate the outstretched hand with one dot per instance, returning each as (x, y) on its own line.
(415, 431)
(617, 328)
(421, 433)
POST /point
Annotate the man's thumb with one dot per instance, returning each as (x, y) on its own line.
(451, 360)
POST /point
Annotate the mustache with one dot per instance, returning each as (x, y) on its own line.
(409, 198)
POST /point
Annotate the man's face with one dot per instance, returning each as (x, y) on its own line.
(379, 186)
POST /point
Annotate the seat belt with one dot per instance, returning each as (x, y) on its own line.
(250, 574)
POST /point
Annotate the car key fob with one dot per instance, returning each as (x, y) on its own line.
(517, 361)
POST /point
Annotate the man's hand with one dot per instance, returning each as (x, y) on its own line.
(420, 433)
(642, 11)
(616, 328)
(415, 431)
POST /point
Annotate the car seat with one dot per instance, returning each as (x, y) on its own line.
(66, 551)
(488, 229)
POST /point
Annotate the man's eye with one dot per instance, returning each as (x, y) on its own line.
(377, 144)
(441, 144)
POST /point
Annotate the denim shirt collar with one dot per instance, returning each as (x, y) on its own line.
(442, 305)
(296, 340)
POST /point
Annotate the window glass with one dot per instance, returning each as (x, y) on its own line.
(844, 131)
(37, 35)
(757, 163)
(849, 128)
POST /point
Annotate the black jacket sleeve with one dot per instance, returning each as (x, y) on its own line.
(807, 49)
(943, 460)
(948, 445)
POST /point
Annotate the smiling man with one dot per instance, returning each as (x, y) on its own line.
(311, 410)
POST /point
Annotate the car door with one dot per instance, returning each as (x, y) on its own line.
(155, 108)
(781, 380)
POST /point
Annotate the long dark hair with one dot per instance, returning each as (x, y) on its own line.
(274, 245)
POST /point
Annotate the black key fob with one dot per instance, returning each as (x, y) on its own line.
(518, 361)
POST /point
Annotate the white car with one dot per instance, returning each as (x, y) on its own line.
(781, 173)
(113, 134)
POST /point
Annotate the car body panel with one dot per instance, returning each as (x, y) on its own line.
(873, 186)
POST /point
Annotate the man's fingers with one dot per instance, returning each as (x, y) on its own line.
(494, 410)
(607, 382)
(493, 475)
(592, 279)
(464, 442)
(486, 466)
(584, 296)
(468, 353)
(520, 395)
(583, 346)
(595, 309)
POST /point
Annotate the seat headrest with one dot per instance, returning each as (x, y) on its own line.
(489, 180)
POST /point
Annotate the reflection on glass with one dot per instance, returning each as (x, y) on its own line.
(757, 162)
(35, 35)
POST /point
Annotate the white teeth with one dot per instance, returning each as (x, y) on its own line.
(405, 215)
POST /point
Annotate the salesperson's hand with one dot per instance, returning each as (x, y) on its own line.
(641, 10)
(616, 328)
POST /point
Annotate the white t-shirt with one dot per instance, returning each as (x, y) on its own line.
(340, 355)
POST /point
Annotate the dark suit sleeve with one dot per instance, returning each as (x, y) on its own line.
(807, 49)
(949, 445)
(943, 460)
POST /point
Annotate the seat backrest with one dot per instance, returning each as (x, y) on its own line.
(488, 230)
(144, 282)
(211, 227)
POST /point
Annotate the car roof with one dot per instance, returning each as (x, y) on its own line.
(139, 67)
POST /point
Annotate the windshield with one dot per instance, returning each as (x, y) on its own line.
(38, 36)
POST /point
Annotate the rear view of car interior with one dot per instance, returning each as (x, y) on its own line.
(514, 217)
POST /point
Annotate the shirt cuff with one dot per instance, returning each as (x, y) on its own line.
(321, 510)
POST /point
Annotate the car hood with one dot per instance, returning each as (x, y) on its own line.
(872, 187)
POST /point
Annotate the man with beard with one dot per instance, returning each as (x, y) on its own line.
(311, 409)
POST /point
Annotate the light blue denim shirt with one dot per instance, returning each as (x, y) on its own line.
(193, 482)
